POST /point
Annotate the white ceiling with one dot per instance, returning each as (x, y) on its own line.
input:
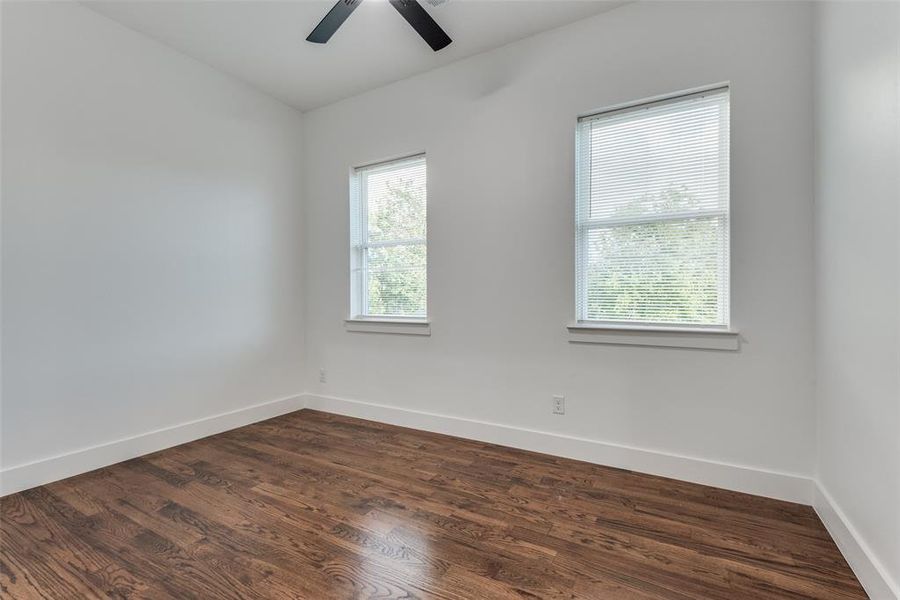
(263, 42)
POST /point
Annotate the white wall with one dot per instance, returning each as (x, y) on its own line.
(498, 129)
(152, 237)
(858, 271)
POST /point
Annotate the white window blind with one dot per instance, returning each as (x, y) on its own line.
(652, 205)
(388, 240)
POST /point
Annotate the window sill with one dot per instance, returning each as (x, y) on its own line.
(395, 326)
(666, 337)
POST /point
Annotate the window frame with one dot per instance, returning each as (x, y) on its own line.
(360, 245)
(584, 225)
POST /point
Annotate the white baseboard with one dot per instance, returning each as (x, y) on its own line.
(782, 486)
(25, 476)
(868, 569)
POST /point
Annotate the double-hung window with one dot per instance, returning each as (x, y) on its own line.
(389, 240)
(652, 214)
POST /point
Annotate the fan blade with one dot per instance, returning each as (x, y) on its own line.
(422, 22)
(335, 17)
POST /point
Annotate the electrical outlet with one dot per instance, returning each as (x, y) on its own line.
(323, 376)
(559, 405)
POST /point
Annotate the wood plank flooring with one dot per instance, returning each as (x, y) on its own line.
(317, 506)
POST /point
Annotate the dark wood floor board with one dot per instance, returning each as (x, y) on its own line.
(381, 472)
(675, 556)
(722, 510)
(23, 520)
(660, 515)
(26, 572)
(530, 572)
(671, 568)
(78, 529)
(314, 506)
(352, 454)
(674, 522)
(314, 478)
(311, 537)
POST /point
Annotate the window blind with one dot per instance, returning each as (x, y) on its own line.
(388, 239)
(652, 213)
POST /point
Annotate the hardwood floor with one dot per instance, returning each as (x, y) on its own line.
(317, 506)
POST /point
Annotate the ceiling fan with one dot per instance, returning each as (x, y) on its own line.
(411, 10)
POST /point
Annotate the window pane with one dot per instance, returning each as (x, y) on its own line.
(652, 213)
(396, 281)
(388, 231)
(396, 203)
(637, 162)
(392, 258)
(666, 272)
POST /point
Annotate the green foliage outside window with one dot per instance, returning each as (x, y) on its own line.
(664, 272)
(397, 274)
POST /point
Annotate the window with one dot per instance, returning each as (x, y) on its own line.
(652, 214)
(388, 240)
